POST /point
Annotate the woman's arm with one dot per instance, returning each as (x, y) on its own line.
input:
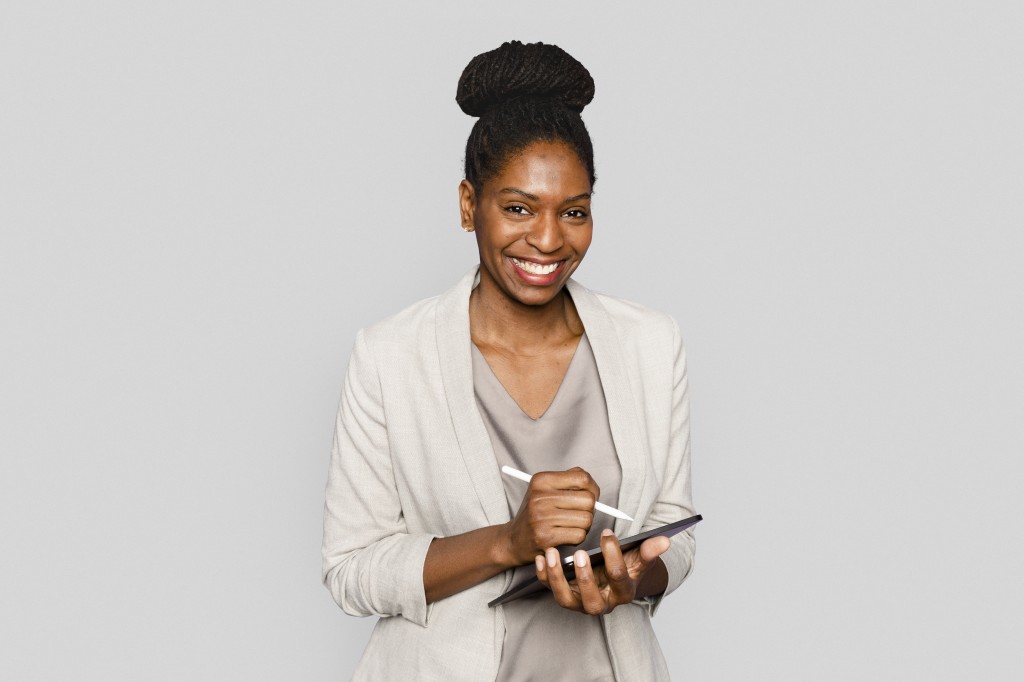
(558, 509)
(459, 562)
(676, 499)
(372, 564)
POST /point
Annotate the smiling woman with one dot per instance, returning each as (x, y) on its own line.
(518, 365)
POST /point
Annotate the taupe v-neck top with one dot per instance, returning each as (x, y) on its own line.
(543, 641)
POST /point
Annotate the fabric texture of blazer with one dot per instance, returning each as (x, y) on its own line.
(412, 461)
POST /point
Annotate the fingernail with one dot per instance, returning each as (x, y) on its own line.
(539, 563)
(607, 531)
(581, 558)
(552, 555)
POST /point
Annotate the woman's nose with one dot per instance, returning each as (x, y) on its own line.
(545, 234)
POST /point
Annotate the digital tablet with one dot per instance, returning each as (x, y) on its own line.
(596, 558)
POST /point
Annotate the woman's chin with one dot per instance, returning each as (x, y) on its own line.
(537, 296)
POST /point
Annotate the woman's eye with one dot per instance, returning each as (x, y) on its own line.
(518, 210)
(576, 213)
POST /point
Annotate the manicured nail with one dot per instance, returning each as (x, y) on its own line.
(539, 563)
(581, 558)
(607, 531)
(552, 555)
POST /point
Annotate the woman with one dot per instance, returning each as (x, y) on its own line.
(516, 365)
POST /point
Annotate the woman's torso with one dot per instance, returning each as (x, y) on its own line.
(572, 431)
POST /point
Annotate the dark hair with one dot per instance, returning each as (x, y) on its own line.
(523, 93)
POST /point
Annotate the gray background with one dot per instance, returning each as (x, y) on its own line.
(201, 202)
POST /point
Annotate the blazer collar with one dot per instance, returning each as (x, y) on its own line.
(618, 396)
(454, 353)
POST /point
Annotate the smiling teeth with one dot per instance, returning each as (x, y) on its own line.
(536, 268)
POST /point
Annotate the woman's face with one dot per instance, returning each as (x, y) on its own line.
(532, 222)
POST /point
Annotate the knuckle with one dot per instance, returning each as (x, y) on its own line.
(616, 573)
(548, 498)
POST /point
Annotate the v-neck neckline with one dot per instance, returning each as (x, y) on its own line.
(554, 400)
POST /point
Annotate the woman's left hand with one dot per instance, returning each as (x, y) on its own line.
(597, 591)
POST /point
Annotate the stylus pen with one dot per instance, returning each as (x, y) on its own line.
(516, 473)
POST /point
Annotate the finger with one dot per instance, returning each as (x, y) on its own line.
(556, 581)
(588, 483)
(652, 548)
(641, 559)
(545, 534)
(582, 500)
(621, 585)
(590, 593)
(572, 479)
(569, 518)
(542, 569)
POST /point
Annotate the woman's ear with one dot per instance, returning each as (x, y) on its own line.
(467, 205)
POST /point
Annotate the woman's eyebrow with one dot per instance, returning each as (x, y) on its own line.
(514, 190)
(534, 197)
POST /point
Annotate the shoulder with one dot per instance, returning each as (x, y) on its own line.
(413, 330)
(401, 343)
(632, 321)
(404, 326)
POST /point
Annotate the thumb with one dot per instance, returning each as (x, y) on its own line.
(652, 548)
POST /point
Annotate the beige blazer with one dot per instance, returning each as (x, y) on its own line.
(412, 461)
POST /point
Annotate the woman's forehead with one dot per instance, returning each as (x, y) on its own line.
(541, 165)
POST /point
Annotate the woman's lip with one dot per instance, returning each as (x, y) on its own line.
(533, 278)
(537, 260)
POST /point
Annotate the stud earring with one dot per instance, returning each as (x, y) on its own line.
(467, 229)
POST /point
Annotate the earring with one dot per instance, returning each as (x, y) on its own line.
(467, 229)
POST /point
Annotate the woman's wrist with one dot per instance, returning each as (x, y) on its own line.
(458, 562)
(502, 550)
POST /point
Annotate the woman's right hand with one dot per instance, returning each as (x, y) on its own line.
(557, 510)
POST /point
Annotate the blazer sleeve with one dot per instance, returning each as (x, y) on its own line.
(372, 564)
(675, 501)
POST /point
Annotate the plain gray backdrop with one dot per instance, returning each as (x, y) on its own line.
(201, 202)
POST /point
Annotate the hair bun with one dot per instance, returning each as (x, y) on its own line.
(516, 70)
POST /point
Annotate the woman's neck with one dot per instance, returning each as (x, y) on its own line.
(501, 323)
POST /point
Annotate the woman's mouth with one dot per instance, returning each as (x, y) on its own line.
(537, 273)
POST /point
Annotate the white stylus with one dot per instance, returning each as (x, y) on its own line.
(515, 473)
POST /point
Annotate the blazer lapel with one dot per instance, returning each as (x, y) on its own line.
(456, 361)
(618, 395)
